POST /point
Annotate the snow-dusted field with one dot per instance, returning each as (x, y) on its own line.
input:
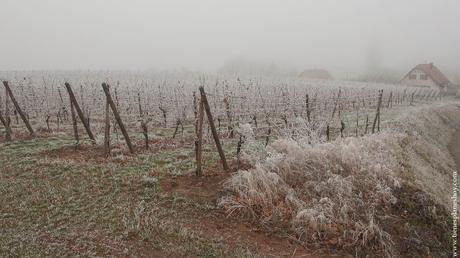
(279, 105)
(361, 168)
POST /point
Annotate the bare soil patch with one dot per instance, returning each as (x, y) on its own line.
(235, 232)
(208, 187)
(205, 188)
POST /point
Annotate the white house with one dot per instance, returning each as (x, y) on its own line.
(426, 75)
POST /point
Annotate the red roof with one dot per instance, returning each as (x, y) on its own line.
(435, 74)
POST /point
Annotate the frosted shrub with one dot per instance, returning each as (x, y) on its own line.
(259, 190)
(318, 188)
(332, 191)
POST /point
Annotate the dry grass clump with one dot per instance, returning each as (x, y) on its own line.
(326, 192)
(336, 192)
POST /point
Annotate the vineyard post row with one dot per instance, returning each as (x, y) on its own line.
(200, 107)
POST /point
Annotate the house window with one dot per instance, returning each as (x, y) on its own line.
(423, 77)
(413, 77)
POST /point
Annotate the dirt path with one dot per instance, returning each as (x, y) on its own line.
(454, 148)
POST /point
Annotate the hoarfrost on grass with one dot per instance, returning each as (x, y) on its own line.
(332, 190)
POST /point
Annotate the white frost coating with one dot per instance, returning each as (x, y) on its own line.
(331, 190)
(430, 164)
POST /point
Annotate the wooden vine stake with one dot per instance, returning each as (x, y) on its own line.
(179, 122)
(195, 112)
(6, 121)
(105, 87)
(7, 118)
(74, 125)
(307, 106)
(83, 120)
(357, 120)
(18, 108)
(145, 133)
(238, 151)
(367, 124)
(6, 125)
(342, 128)
(107, 130)
(377, 113)
(412, 99)
(199, 138)
(3, 120)
(390, 100)
(336, 103)
(229, 116)
(205, 104)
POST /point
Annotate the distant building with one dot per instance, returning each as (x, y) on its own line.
(426, 75)
(319, 74)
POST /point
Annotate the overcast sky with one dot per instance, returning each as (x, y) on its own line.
(202, 34)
